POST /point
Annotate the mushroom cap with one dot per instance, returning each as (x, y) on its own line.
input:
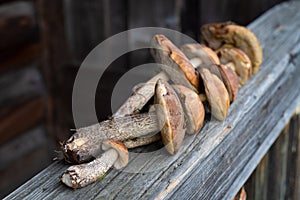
(216, 94)
(215, 35)
(227, 75)
(170, 116)
(123, 157)
(230, 79)
(205, 54)
(240, 61)
(193, 108)
(180, 69)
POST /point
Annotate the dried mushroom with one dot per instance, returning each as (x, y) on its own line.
(217, 34)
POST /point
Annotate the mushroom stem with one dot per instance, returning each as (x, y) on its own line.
(83, 144)
(121, 128)
(140, 97)
(137, 142)
(196, 62)
(79, 176)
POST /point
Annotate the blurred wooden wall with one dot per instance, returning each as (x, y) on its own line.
(42, 46)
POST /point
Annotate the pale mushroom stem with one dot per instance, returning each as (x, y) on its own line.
(121, 128)
(140, 97)
(82, 145)
(137, 142)
(79, 176)
(196, 62)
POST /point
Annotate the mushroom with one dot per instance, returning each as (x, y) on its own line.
(83, 144)
(200, 54)
(203, 56)
(193, 111)
(170, 51)
(193, 108)
(78, 176)
(229, 78)
(140, 96)
(238, 61)
(176, 67)
(142, 141)
(216, 94)
(176, 64)
(170, 117)
(217, 34)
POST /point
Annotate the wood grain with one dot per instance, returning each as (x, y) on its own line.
(277, 175)
(18, 86)
(21, 118)
(54, 56)
(215, 163)
(21, 57)
(31, 154)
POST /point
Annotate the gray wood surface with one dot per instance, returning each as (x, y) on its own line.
(31, 154)
(215, 163)
(277, 175)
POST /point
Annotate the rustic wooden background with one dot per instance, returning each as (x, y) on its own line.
(44, 42)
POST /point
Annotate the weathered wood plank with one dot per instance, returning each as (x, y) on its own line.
(85, 26)
(277, 175)
(54, 56)
(16, 32)
(88, 23)
(31, 154)
(240, 12)
(18, 86)
(297, 182)
(21, 118)
(277, 170)
(257, 184)
(115, 17)
(153, 13)
(21, 58)
(19, 34)
(215, 163)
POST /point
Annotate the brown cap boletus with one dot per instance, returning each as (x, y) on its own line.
(194, 116)
(142, 141)
(216, 94)
(170, 116)
(230, 80)
(200, 54)
(193, 108)
(121, 149)
(175, 62)
(237, 60)
(83, 143)
(227, 75)
(78, 176)
(217, 34)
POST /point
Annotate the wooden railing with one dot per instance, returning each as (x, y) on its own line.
(217, 162)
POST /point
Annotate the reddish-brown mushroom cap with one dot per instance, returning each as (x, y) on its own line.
(230, 79)
(217, 34)
(123, 157)
(165, 52)
(203, 54)
(193, 108)
(238, 60)
(170, 116)
(216, 94)
(227, 75)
